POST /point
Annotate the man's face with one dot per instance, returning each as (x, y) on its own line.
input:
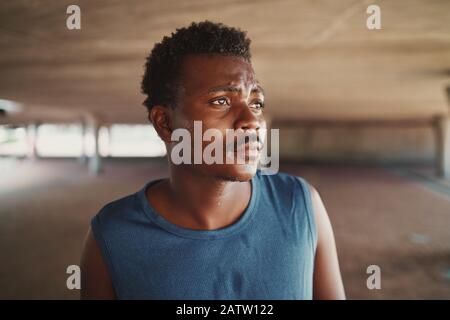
(222, 92)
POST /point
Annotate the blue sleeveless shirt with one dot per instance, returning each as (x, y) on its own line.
(268, 253)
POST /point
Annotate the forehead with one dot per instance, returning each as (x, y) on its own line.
(201, 72)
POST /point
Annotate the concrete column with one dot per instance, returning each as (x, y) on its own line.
(108, 140)
(442, 133)
(95, 163)
(32, 136)
(83, 157)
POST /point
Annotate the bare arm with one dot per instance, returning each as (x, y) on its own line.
(327, 276)
(95, 280)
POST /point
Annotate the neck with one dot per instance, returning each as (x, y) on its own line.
(207, 202)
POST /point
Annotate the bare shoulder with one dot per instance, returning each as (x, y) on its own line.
(323, 223)
(95, 279)
(320, 212)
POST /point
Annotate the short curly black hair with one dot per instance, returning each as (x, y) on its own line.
(159, 82)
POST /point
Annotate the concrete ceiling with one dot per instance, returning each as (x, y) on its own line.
(315, 58)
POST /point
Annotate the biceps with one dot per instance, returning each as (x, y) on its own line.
(95, 280)
(327, 275)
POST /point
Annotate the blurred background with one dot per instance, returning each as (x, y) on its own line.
(363, 116)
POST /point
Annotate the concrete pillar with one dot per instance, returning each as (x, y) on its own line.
(95, 163)
(108, 140)
(83, 157)
(32, 136)
(442, 133)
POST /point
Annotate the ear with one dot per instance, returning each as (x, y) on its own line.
(161, 118)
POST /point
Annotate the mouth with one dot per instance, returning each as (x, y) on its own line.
(247, 145)
(248, 151)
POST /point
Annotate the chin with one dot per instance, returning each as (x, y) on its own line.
(237, 172)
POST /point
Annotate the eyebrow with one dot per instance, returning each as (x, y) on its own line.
(229, 88)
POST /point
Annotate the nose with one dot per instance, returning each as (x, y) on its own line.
(247, 119)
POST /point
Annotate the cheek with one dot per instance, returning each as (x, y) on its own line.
(209, 118)
(185, 115)
(262, 122)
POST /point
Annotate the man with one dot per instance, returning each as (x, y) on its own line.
(211, 231)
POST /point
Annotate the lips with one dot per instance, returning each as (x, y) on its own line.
(247, 144)
(248, 151)
(254, 146)
(246, 147)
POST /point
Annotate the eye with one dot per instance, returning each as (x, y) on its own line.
(222, 101)
(258, 104)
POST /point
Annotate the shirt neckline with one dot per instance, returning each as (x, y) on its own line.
(229, 230)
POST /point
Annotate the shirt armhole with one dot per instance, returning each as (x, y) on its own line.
(306, 192)
(106, 253)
